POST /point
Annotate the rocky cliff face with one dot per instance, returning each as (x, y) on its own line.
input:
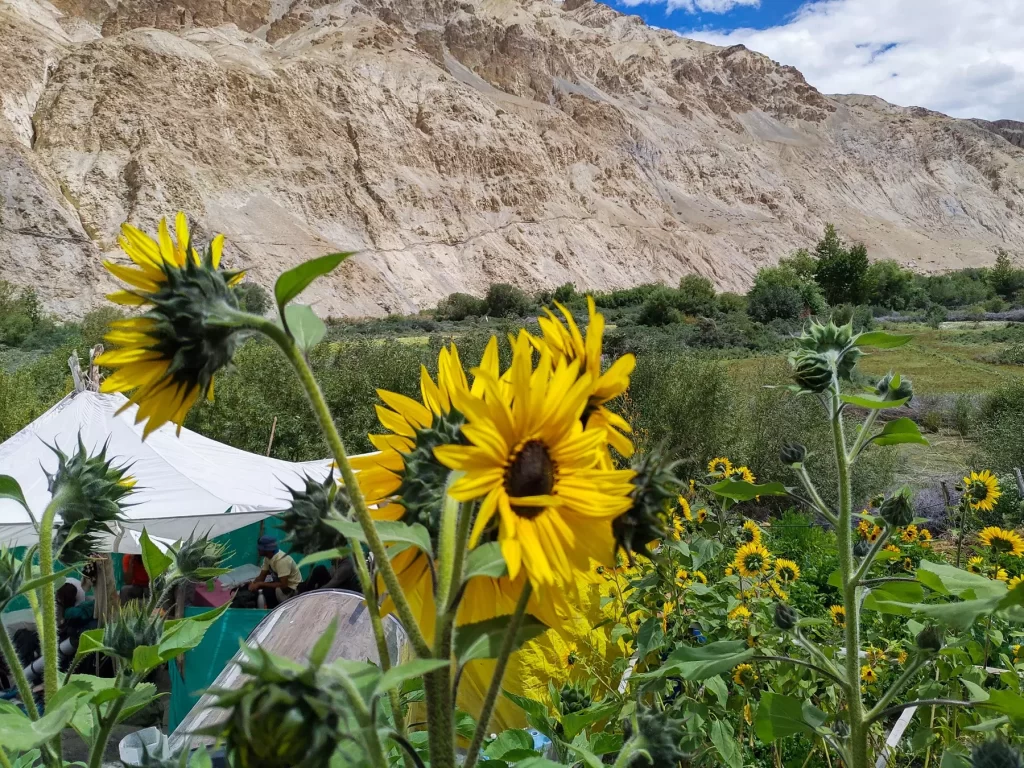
(454, 144)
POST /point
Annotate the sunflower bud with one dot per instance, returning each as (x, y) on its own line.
(659, 736)
(840, 728)
(929, 639)
(280, 717)
(898, 509)
(654, 491)
(903, 387)
(861, 548)
(195, 558)
(793, 454)
(304, 522)
(424, 477)
(834, 342)
(785, 617)
(92, 492)
(134, 628)
(996, 754)
(12, 575)
(573, 699)
(812, 371)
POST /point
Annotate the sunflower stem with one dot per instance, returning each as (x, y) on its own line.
(869, 559)
(107, 724)
(895, 688)
(358, 501)
(47, 613)
(14, 664)
(447, 579)
(508, 644)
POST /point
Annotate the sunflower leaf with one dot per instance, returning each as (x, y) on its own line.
(409, 670)
(389, 530)
(486, 560)
(154, 559)
(482, 639)
(293, 282)
(902, 430)
(873, 402)
(702, 662)
(738, 490)
(305, 327)
(10, 489)
(780, 716)
(947, 580)
(881, 339)
(33, 584)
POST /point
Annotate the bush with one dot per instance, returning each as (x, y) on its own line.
(772, 299)
(459, 306)
(253, 297)
(887, 284)
(505, 300)
(841, 271)
(564, 293)
(731, 302)
(936, 316)
(696, 296)
(1000, 430)
(659, 309)
(627, 297)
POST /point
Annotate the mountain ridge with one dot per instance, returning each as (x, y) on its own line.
(454, 144)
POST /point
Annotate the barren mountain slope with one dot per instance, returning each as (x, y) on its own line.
(456, 144)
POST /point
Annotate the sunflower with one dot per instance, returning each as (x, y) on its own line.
(901, 658)
(534, 466)
(892, 548)
(744, 675)
(976, 564)
(868, 675)
(684, 505)
(167, 356)
(924, 538)
(678, 529)
(786, 571)
(562, 339)
(838, 615)
(682, 577)
(740, 613)
(864, 528)
(702, 516)
(699, 576)
(874, 533)
(742, 473)
(720, 467)
(729, 570)
(1015, 582)
(752, 560)
(908, 564)
(909, 534)
(750, 533)
(874, 655)
(775, 587)
(999, 574)
(982, 490)
(666, 610)
(748, 713)
(1001, 541)
(1018, 652)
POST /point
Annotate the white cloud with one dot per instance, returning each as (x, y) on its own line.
(961, 58)
(694, 6)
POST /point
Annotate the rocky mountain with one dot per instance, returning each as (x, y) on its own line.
(454, 144)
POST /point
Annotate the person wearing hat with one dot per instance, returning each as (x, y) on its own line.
(285, 572)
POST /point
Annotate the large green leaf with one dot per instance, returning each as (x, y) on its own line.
(389, 531)
(874, 402)
(10, 489)
(327, 554)
(409, 670)
(154, 559)
(898, 431)
(724, 739)
(738, 490)
(40, 581)
(575, 722)
(482, 640)
(306, 328)
(293, 282)
(881, 339)
(947, 580)
(890, 597)
(1007, 703)
(19, 734)
(486, 560)
(780, 716)
(702, 662)
(508, 741)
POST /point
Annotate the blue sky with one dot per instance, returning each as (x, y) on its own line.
(961, 58)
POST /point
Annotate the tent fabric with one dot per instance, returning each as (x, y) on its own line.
(185, 481)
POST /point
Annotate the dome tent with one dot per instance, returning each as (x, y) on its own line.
(185, 482)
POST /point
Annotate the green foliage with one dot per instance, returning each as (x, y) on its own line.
(659, 309)
(1000, 430)
(564, 293)
(729, 302)
(505, 300)
(887, 284)
(1006, 279)
(253, 297)
(459, 306)
(696, 296)
(841, 270)
(959, 289)
(783, 293)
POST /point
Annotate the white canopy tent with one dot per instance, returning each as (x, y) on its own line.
(185, 482)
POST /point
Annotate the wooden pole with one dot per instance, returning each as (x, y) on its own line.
(1020, 482)
(270, 442)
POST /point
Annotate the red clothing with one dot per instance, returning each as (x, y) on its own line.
(134, 571)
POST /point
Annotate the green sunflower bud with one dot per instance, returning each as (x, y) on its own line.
(281, 716)
(785, 617)
(196, 557)
(929, 639)
(876, 501)
(861, 548)
(134, 628)
(655, 489)
(840, 728)
(573, 699)
(894, 387)
(834, 342)
(424, 477)
(793, 454)
(92, 492)
(12, 574)
(659, 736)
(304, 522)
(996, 754)
(898, 509)
(812, 371)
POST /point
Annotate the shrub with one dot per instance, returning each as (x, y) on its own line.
(773, 299)
(1000, 429)
(936, 316)
(696, 296)
(841, 271)
(626, 297)
(253, 297)
(459, 306)
(1004, 278)
(731, 302)
(505, 300)
(659, 309)
(564, 293)
(888, 285)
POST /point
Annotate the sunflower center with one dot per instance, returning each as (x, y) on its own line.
(531, 473)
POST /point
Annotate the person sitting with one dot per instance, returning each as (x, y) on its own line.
(285, 572)
(136, 579)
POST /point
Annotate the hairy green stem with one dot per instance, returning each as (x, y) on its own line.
(629, 749)
(896, 687)
(18, 672)
(858, 743)
(802, 663)
(507, 646)
(869, 559)
(358, 501)
(812, 491)
(921, 703)
(107, 724)
(862, 437)
(3, 759)
(48, 601)
(446, 536)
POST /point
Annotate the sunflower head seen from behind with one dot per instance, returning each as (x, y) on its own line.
(981, 490)
(167, 356)
(563, 340)
(535, 469)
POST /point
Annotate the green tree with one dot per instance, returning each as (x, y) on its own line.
(779, 293)
(659, 309)
(887, 284)
(459, 306)
(1005, 278)
(696, 296)
(505, 300)
(802, 262)
(840, 271)
(253, 297)
(565, 293)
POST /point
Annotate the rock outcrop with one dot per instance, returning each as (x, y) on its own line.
(454, 144)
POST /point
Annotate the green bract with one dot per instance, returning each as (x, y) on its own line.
(898, 509)
(133, 628)
(304, 522)
(12, 574)
(660, 735)
(655, 486)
